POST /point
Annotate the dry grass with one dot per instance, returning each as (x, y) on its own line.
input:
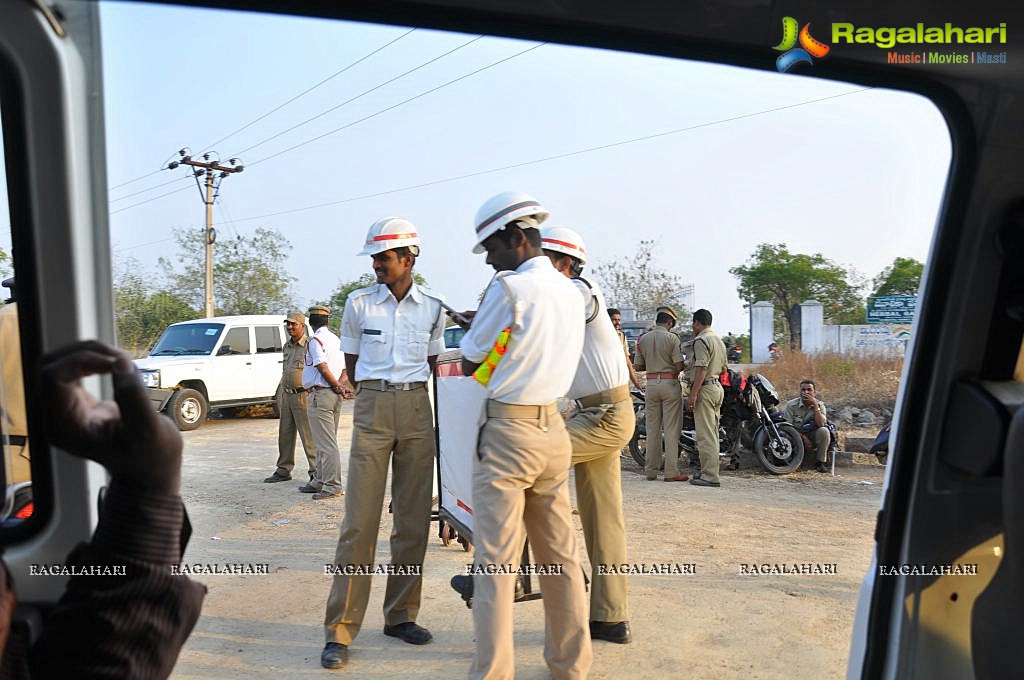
(840, 379)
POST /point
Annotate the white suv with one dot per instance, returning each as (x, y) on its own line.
(221, 362)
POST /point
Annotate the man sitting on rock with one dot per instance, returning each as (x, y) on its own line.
(807, 414)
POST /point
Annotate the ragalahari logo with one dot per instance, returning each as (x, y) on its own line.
(809, 50)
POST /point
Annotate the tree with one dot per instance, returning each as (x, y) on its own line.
(141, 313)
(250, 274)
(4, 260)
(902, 277)
(640, 284)
(774, 274)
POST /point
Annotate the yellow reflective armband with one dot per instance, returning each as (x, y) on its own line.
(483, 372)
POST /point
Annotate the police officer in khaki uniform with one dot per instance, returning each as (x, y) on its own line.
(521, 470)
(292, 407)
(658, 353)
(391, 333)
(706, 395)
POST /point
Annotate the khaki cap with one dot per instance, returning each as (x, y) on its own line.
(319, 310)
(668, 310)
(297, 317)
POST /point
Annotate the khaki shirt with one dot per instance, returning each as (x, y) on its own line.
(658, 351)
(291, 367)
(798, 415)
(708, 351)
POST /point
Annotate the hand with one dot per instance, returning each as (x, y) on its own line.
(127, 436)
(464, 325)
(691, 403)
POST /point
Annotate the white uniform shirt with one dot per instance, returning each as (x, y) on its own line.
(603, 364)
(545, 313)
(327, 350)
(393, 339)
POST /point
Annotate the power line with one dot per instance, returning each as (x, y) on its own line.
(555, 157)
(142, 191)
(517, 165)
(310, 89)
(149, 200)
(349, 101)
(132, 181)
(401, 103)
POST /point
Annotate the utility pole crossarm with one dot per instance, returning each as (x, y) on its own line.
(209, 236)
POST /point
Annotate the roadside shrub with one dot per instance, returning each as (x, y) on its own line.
(868, 382)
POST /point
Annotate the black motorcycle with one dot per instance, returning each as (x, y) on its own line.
(748, 420)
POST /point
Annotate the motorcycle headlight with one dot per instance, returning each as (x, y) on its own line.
(151, 378)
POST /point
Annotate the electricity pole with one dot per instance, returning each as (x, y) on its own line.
(209, 169)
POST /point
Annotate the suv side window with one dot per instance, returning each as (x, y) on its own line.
(236, 342)
(268, 339)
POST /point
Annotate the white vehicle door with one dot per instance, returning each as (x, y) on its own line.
(266, 361)
(231, 368)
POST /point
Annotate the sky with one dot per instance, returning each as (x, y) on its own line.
(707, 160)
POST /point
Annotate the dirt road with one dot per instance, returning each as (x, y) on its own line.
(716, 623)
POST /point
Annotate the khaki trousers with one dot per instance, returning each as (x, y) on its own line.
(706, 416)
(664, 413)
(598, 434)
(822, 438)
(294, 420)
(520, 481)
(324, 409)
(387, 426)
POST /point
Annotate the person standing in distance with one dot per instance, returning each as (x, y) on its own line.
(391, 334)
(706, 395)
(323, 376)
(660, 355)
(598, 430)
(616, 316)
(294, 418)
(521, 471)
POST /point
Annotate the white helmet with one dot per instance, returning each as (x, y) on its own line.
(564, 240)
(504, 208)
(389, 233)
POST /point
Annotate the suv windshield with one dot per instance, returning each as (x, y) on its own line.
(191, 338)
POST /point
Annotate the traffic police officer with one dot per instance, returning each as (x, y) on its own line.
(323, 376)
(660, 355)
(391, 333)
(706, 395)
(520, 477)
(294, 418)
(600, 428)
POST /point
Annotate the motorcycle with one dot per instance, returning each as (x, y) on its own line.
(734, 354)
(747, 420)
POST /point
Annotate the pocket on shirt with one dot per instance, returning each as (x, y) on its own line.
(374, 347)
(415, 350)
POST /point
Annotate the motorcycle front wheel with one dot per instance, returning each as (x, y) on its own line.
(638, 443)
(781, 455)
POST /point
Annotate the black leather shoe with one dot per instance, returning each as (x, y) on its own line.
(309, 488)
(410, 632)
(463, 585)
(277, 478)
(618, 633)
(335, 655)
(821, 467)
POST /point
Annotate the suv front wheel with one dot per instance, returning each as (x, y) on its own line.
(187, 408)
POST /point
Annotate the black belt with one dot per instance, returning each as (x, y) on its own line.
(294, 390)
(385, 386)
(14, 440)
(710, 381)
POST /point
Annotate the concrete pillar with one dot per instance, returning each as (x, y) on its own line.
(812, 320)
(762, 331)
